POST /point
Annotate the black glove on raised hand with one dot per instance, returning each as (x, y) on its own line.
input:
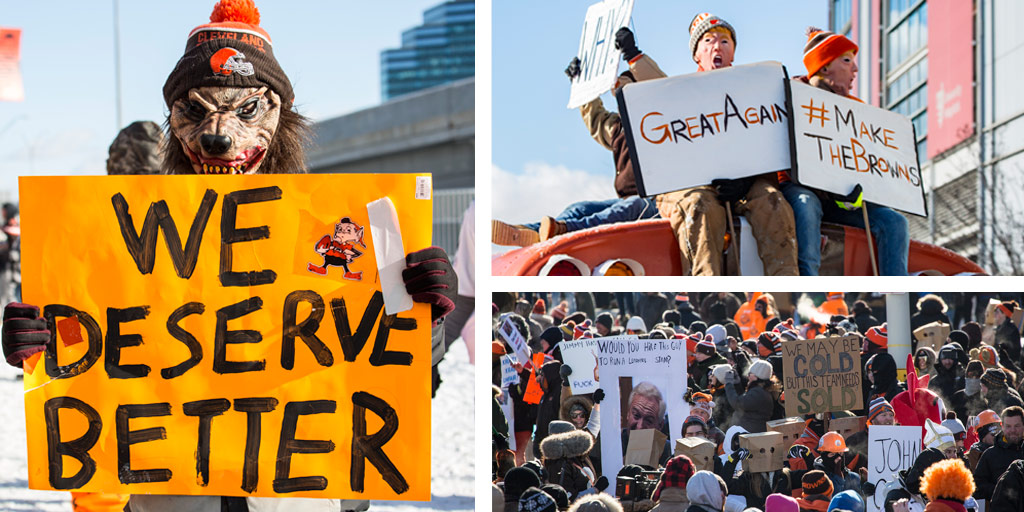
(598, 395)
(564, 372)
(625, 41)
(573, 70)
(601, 484)
(23, 333)
(430, 279)
(732, 190)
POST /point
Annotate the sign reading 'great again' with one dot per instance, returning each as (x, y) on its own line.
(249, 354)
(822, 375)
(685, 131)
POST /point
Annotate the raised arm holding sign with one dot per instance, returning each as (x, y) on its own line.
(598, 55)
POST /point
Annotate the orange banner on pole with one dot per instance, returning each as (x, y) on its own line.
(224, 335)
(11, 88)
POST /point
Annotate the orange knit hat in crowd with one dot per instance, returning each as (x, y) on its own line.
(823, 47)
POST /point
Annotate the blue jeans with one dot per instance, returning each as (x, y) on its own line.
(587, 214)
(888, 227)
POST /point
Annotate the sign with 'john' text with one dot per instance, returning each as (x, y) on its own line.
(250, 353)
(839, 143)
(822, 375)
(599, 59)
(686, 131)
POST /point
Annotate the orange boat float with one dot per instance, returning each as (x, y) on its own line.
(649, 247)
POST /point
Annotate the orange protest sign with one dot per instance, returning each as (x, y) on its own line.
(248, 353)
(533, 391)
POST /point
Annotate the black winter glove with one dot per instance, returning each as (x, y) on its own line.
(430, 279)
(625, 41)
(601, 484)
(564, 372)
(24, 333)
(598, 395)
(732, 190)
(573, 70)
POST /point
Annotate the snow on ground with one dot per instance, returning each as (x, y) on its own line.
(451, 455)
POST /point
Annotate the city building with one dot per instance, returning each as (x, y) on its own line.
(428, 131)
(439, 51)
(954, 68)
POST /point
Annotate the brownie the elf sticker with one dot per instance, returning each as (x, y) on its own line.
(340, 250)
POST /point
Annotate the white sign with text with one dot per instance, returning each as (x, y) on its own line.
(839, 143)
(890, 450)
(645, 364)
(685, 131)
(599, 60)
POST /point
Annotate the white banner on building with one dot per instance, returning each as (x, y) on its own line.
(839, 143)
(685, 131)
(890, 450)
(644, 382)
(581, 356)
(599, 60)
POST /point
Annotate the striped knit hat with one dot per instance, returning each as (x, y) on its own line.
(706, 347)
(769, 343)
(703, 22)
(878, 406)
(580, 330)
(702, 401)
(817, 482)
(879, 336)
(823, 47)
(994, 378)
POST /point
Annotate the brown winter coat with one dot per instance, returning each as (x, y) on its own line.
(606, 127)
(672, 499)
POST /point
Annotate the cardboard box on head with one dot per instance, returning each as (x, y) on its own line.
(699, 450)
(766, 452)
(644, 447)
(990, 313)
(848, 426)
(933, 335)
(790, 428)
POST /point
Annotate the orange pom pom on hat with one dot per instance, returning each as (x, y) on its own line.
(230, 51)
(823, 47)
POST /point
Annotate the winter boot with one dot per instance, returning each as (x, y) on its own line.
(550, 228)
(507, 234)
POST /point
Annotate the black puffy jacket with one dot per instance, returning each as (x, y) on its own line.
(993, 463)
(1008, 495)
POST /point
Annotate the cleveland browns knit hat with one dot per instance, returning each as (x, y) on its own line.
(230, 51)
(703, 22)
(823, 47)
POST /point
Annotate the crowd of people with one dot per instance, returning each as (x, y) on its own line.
(963, 391)
(785, 217)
